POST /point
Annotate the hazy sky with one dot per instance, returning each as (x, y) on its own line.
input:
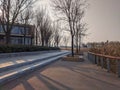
(103, 18)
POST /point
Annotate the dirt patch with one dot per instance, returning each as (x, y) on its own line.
(76, 58)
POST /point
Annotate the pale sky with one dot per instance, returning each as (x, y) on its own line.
(102, 17)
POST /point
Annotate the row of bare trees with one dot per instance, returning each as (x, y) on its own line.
(71, 12)
(20, 11)
(47, 32)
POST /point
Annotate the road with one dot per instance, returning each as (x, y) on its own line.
(63, 75)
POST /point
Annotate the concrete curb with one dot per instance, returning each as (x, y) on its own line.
(7, 55)
(26, 63)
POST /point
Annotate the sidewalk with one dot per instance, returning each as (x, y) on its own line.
(63, 75)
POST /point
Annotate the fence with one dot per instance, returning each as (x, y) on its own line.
(112, 64)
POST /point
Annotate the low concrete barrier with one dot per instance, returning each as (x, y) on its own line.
(6, 55)
(17, 65)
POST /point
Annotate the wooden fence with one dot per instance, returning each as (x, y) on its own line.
(112, 64)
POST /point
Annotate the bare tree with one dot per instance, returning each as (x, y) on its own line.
(57, 32)
(25, 18)
(80, 29)
(66, 40)
(57, 38)
(82, 33)
(48, 33)
(69, 11)
(44, 27)
(48, 37)
(39, 25)
(10, 12)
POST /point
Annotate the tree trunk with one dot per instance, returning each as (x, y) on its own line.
(46, 43)
(36, 37)
(25, 33)
(31, 41)
(66, 47)
(72, 46)
(24, 39)
(57, 44)
(7, 36)
(42, 42)
(79, 43)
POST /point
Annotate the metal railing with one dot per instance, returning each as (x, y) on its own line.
(111, 63)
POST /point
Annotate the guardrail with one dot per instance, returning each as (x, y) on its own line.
(112, 64)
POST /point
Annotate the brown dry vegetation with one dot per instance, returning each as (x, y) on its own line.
(111, 48)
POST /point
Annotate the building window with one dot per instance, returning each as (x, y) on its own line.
(15, 30)
(28, 41)
(20, 40)
(25, 31)
(20, 30)
(1, 29)
(16, 40)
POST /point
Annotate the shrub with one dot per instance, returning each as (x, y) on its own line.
(26, 48)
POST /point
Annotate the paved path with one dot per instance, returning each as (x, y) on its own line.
(4, 62)
(64, 75)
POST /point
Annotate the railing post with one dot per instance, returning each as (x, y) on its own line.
(102, 63)
(108, 65)
(94, 58)
(88, 55)
(97, 60)
(118, 68)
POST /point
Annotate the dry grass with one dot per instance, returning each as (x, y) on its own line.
(111, 49)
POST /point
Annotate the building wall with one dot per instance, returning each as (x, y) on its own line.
(20, 40)
(18, 35)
